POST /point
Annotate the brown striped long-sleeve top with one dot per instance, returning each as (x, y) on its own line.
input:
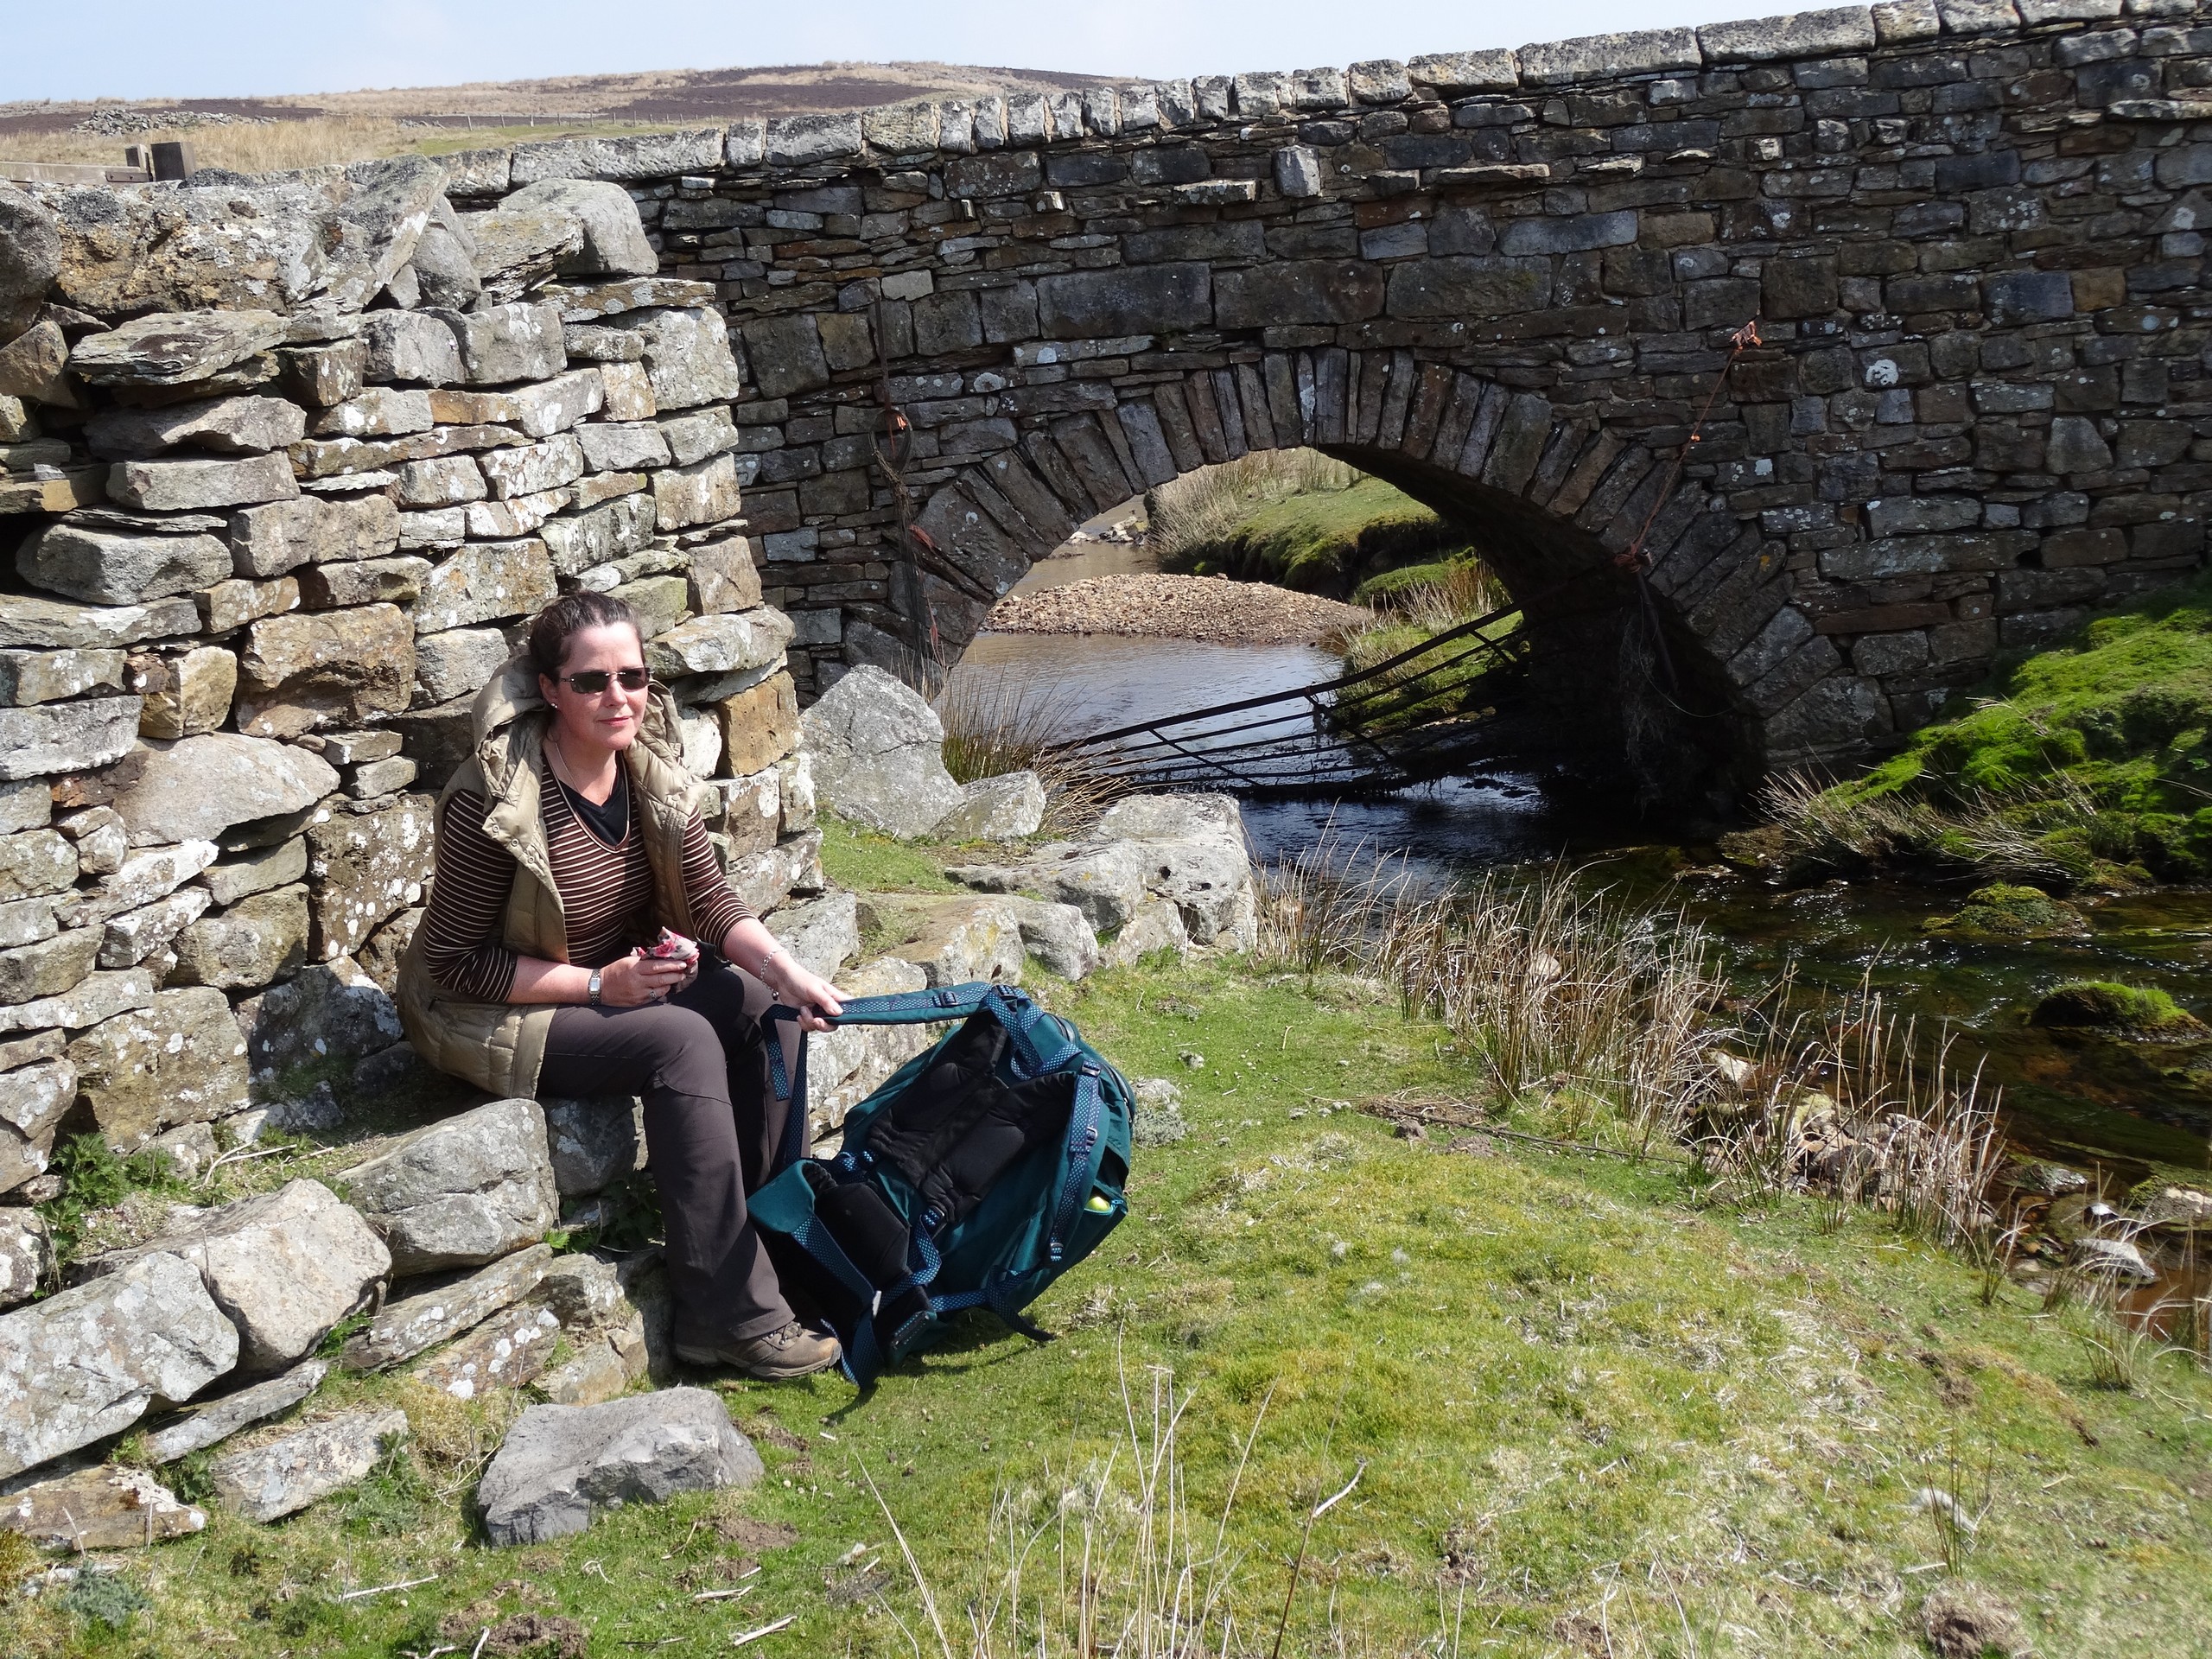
(605, 890)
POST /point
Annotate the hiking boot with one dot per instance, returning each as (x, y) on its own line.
(790, 1350)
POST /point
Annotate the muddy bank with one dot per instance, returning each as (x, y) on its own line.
(1208, 608)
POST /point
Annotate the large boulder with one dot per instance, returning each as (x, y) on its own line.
(955, 941)
(1059, 936)
(1196, 858)
(275, 245)
(86, 1364)
(284, 1475)
(613, 239)
(330, 1010)
(879, 754)
(561, 1462)
(284, 1265)
(30, 258)
(822, 935)
(1106, 883)
(1004, 808)
(179, 1058)
(461, 1192)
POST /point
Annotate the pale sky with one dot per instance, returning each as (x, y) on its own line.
(213, 48)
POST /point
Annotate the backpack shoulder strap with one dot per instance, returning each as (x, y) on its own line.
(1039, 1045)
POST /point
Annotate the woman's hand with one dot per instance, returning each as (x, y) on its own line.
(810, 994)
(633, 982)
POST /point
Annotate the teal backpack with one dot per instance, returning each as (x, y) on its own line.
(979, 1173)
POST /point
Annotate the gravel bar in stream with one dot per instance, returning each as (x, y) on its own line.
(1210, 609)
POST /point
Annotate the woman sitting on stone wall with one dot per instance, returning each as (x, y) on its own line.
(567, 841)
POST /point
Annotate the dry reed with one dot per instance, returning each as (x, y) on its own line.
(1551, 985)
(2002, 836)
(996, 722)
(1600, 1017)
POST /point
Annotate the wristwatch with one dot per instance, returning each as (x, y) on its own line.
(591, 987)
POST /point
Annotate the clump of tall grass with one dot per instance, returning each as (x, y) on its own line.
(1558, 988)
(1844, 1096)
(1548, 982)
(1199, 509)
(2054, 831)
(1113, 1557)
(996, 722)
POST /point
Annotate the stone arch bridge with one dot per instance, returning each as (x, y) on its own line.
(1969, 232)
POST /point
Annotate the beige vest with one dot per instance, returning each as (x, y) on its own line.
(500, 1045)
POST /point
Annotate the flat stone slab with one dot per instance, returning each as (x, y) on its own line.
(414, 1324)
(101, 1508)
(227, 1415)
(173, 347)
(282, 1476)
(508, 1351)
(560, 1464)
(200, 787)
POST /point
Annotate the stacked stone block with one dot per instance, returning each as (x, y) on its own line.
(265, 543)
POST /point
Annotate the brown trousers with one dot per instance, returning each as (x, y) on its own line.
(713, 1125)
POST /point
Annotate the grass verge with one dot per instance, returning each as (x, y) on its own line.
(1589, 1411)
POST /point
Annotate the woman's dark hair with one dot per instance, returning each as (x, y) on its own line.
(568, 616)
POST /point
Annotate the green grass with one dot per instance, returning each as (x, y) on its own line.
(867, 862)
(1327, 541)
(1593, 1415)
(2111, 728)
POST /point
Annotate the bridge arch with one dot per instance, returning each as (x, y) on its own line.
(1668, 680)
(1973, 235)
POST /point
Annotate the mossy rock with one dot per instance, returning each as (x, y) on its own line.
(2002, 911)
(2143, 1013)
(1764, 850)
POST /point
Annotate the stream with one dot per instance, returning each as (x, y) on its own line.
(2111, 1109)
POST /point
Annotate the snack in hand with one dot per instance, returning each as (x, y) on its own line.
(671, 947)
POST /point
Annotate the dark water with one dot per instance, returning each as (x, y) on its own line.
(2090, 1102)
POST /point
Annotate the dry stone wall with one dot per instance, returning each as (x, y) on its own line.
(289, 464)
(1970, 232)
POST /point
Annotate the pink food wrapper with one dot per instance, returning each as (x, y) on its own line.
(670, 946)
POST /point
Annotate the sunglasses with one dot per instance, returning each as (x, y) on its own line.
(593, 681)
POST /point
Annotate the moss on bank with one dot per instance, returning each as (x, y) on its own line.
(2080, 760)
(1327, 541)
